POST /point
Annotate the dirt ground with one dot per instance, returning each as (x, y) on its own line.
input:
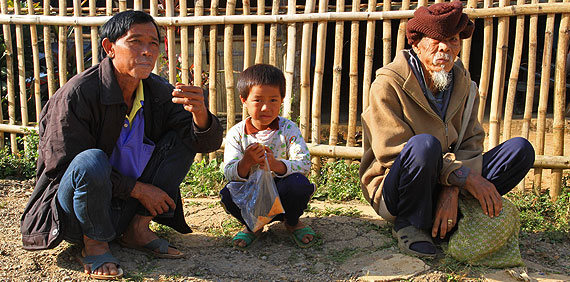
(350, 248)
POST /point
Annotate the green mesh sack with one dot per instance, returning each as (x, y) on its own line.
(481, 240)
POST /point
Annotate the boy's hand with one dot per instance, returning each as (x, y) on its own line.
(254, 154)
(275, 165)
(192, 98)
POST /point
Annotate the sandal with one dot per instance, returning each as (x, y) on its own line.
(248, 238)
(409, 235)
(98, 261)
(157, 244)
(297, 236)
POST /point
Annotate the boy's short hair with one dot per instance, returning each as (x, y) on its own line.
(260, 74)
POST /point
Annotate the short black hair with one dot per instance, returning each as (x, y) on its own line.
(260, 74)
(120, 24)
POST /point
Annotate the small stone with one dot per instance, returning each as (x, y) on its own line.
(263, 257)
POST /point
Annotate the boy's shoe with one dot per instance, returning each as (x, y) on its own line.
(297, 236)
(248, 238)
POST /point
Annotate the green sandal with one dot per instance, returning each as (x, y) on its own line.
(297, 237)
(248, 238)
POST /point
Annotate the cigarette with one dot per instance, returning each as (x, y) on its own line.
(177, 89)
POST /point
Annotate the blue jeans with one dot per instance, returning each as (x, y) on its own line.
(85, 190)
(411, 187)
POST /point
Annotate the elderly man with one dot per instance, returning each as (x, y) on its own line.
(115, 143)
(425, 143)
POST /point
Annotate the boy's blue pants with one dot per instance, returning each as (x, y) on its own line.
(295, 191)
(411, 187)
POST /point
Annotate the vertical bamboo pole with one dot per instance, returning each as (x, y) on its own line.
(21, 69)
(321, 42)
(369, 54)
(138, 5)
(228, 66)
(260, 33)
(198, 42)
(559, 101)
(49, 53)
(171, 40)
(386, 35)
(532, 47)
(486, 64)
(246, 46)
(185, 57)
(543, 98)
(212, 101)
(422, 3)
(401, 40)
(498, 76)
(109, 7)
(80, 66)
(466, 43)
(94, 34)
(290, 60)
(123, 5)
(246, 36)
(62, 46)
(9, 55)
(273, 35)
(337, 71)
(353, 78)
(305, 72)
(36, 59)
(514, 77)
(154, 14)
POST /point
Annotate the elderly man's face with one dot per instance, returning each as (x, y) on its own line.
(134, 54)
(438, 55)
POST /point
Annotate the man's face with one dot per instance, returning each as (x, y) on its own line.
(436, 55)
(134, 54)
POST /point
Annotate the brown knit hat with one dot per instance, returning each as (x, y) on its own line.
(439, 21)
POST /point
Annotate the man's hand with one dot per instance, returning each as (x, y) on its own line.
(254, 154)
(275, 165)
(152, 198)
(484, 191)
(192, 98)
(446, 211)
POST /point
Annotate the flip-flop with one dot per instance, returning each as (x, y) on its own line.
(409, 235)
(248, 238)
(157, 244)
(98, 261)
(297, 236)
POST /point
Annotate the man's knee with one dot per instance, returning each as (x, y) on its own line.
(92, 164)
(425, 148)
(522, 149)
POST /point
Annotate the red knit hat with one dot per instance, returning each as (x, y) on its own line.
(439, 21)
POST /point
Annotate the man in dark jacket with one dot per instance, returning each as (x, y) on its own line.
(115, 143)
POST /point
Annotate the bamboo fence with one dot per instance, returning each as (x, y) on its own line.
(323, 88)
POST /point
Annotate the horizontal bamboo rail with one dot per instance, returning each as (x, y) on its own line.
(527, 9)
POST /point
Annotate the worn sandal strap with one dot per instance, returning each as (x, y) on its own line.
(300, 233)
(160, 244)
(246, 237)
(411, 235)
(98, 260)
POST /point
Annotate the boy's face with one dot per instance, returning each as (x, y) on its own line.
(263, 104)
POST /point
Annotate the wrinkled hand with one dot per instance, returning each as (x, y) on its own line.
(485, 192)
(155, 200)
(192, 98)
(446, 209)
(275, 165)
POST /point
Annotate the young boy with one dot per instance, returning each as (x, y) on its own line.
(262, 88)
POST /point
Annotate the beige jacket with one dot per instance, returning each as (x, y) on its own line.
(398, 110)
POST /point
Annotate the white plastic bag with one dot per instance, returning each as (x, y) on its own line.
(257, 198)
